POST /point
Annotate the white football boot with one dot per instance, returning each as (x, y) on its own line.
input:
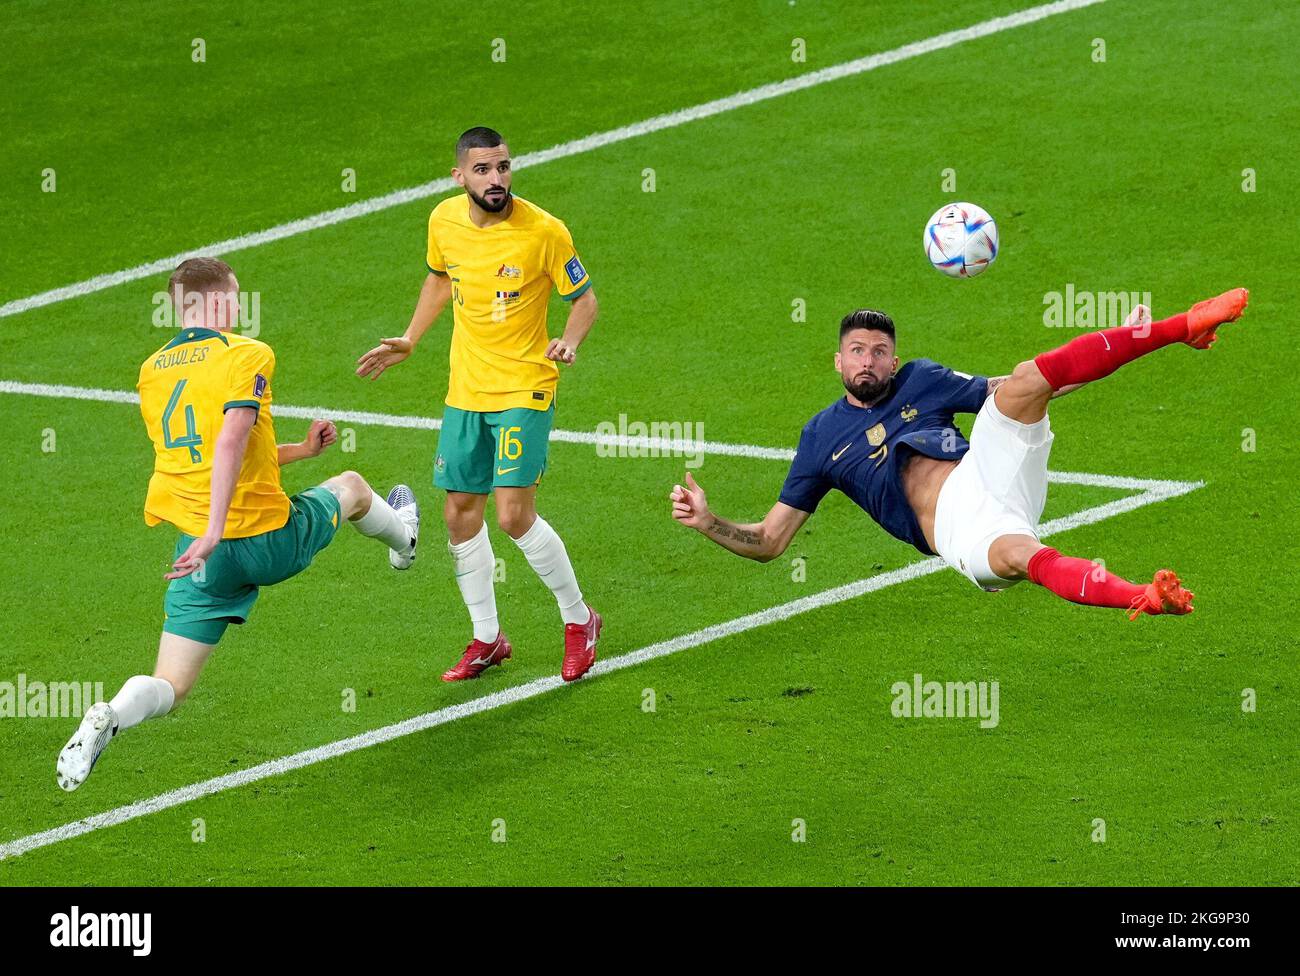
(408, 510)
(79, 756)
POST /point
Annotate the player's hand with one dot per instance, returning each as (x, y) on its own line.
(321, 435)
(690, 507)
(389, 352)
(193, 558)
(561, 352)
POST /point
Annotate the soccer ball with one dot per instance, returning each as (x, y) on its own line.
(961, 240)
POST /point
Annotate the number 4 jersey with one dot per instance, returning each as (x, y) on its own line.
(186, 387)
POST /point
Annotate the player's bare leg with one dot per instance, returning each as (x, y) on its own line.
(474, 566)
(1022, 557)
(394, 521)
(463, 513)
(1023, 396)
(180, 662)
(546, 553)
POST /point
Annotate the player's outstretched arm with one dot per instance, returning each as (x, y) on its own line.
(320, 435)
(434, 294)
(761, 541)
(582, 315)
(227, 459)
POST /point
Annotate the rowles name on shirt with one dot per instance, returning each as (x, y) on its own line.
(184, 356)
(658, 438)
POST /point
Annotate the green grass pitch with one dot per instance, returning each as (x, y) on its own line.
(1124, 174)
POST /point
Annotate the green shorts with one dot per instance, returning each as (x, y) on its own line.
(481, 451)
(201, 605)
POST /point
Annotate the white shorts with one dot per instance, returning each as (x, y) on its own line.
(998, 488)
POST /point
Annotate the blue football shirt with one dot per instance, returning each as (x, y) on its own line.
(861, 450)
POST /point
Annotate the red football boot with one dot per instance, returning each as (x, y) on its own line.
(478, 658)
(580, 646)
(1204, 318)
(1164, 594)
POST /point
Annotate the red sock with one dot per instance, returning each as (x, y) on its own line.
(1097, 354)
(1081, 581)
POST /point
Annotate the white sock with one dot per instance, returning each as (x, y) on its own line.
(382, 522)
(474, 564)
(545, 552)
(142, 697)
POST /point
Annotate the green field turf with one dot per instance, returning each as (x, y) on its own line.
(1122, 175)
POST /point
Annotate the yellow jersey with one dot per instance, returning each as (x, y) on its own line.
(501, 280)
(186, 387)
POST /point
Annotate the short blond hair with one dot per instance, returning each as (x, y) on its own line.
(200, 275)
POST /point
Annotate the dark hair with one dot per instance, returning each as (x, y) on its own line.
(199, 275)
(479, 137)
(866, 318)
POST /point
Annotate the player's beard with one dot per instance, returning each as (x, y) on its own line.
(868, 389)
(488, 205)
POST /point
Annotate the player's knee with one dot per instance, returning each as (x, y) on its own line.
(355, 484)
(463, 514)
(1028, 380)
(515, 520)
(352, 491)
(1009, 556)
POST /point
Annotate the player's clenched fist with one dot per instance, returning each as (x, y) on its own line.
(321, 435)
(690, 507)
(389, 352)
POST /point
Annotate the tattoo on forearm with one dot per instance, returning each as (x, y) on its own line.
(746, 536)
(995, 382)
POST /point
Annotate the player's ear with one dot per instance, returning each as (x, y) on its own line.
(838, 368)
(894, 369)
(458, 176)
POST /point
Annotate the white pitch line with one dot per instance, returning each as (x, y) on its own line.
(660, 444)
(574, 147)
(540, 686)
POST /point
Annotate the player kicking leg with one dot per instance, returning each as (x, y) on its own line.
(207, 594)
(205, 398)
(1008, 455)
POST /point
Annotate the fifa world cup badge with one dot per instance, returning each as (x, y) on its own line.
(876, 435)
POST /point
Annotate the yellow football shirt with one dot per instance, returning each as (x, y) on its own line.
(186, 387)
(501, 280)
